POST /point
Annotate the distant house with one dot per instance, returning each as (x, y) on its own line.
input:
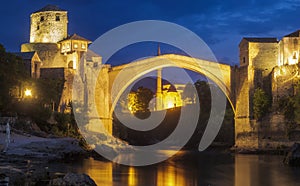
(32, 62)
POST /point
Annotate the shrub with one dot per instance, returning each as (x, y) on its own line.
(261, 103)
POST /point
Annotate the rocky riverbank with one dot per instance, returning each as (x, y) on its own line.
(27, 156)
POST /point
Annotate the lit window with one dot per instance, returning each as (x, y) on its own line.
(75, 45)
(83, 46)
(42, 18)
(68, 46)
(295, 55)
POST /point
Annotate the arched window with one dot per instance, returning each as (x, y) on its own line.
(70, 65)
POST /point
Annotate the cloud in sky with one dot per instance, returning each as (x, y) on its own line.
(221, 23)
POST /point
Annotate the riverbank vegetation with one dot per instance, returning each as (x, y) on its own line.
(37, 108)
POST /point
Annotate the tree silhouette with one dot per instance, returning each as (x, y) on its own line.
(139, 100)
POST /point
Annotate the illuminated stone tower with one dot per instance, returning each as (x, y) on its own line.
(48, 25)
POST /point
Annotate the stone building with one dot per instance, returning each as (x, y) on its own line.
(32, 62)
(272, 65)
(60, 55)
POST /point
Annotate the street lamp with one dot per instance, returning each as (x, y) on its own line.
(28, 93)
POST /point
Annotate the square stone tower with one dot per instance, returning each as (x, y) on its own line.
(258, 57)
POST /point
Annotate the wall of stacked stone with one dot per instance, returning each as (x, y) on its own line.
(289, 50)
(53, 73)
(49, 54)
(284, 80)
(48, 26)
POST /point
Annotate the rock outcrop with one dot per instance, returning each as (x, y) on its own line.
(73, 179)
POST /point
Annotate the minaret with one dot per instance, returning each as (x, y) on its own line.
(159, 97)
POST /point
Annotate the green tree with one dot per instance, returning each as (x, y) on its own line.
(12, 74)
(290, 106)
(49, 91)
(139, 100)
(287, 106)
(261, 103)
(188, 94)
(204, 95)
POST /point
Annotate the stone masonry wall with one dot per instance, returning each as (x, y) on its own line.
(245, 130)
(49, 54)
(48, 26)
(244, 53)
(289, 50)
(284, 79)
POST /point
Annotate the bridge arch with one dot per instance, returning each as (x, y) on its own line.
(121, 77)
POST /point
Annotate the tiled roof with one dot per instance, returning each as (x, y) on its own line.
(261, 40)
(50, 8)
(172, 88)
(76, 37)
(294, 34)
(90, 54)
(25, 55)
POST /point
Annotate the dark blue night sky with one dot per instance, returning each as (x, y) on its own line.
(220, 23)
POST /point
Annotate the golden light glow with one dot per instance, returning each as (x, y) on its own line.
(171, 100)
(292, 60)
(28, 93)
(45, 40)
(100, 172)
(170, 104)
(132, 179)
(167, 176)
(74, 62)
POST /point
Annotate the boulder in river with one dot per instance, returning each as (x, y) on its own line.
(293, 156)
(73, 179)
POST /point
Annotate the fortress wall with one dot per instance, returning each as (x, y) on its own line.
(289, 50)
(263, 56)
(48, 26)
(284, 79)
(49, 54)
(53, 73)
(245, 128)
(99, 95)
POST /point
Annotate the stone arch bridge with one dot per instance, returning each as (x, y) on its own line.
(101, 84)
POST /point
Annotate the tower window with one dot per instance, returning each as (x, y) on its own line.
(42, 18)
(57, 18)
(295, 55)
(38, 27)
(244, 60)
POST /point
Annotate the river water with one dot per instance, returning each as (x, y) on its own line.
(191, 168)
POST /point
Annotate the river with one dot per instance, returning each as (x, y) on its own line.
(191, 168)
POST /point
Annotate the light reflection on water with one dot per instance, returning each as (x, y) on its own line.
(188, 168)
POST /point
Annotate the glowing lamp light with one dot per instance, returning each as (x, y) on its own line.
(170, 104)
(28, 93)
